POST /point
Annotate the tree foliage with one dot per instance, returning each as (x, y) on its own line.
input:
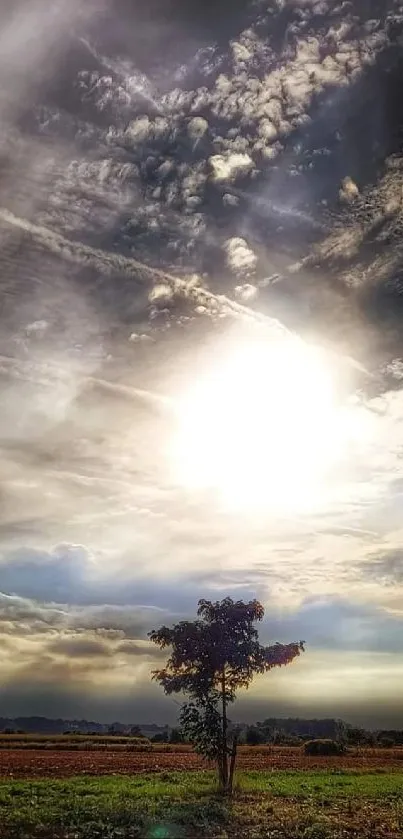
(160, 737)
(254, 736)
(280, 730)
(210, 659)
(323, 747)
(135, 731)
(176, 735)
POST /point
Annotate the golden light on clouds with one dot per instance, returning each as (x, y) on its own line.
(331, 676)
(263, 425)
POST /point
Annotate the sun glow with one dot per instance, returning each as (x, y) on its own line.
(263, 426)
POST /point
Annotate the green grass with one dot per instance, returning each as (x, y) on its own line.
(328, 784)
(280, 805)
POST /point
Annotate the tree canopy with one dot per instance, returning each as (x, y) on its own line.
(211, 657)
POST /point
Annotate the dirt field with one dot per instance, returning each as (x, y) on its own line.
(37, 764)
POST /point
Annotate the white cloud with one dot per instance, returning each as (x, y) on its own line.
(246, 292)
(226, 168)
(240, 257)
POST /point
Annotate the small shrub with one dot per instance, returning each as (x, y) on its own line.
(254, 737)
(160, 737)
(323, 748)
(386, 742)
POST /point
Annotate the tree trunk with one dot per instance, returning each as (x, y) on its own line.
(232, 763)
(224, 735)
(220, 767)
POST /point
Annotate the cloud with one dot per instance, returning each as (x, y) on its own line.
(45, 576)
(83, 650)
(23, 616)
(148, 705)
(228, 167)
(70, 576)
(240, 257)
(269, 86)
(134, 621)
(334, 623)
(143, 210)
(76, 647)
(387, 568)
(99, 642)
(26, 614)
(67, 701)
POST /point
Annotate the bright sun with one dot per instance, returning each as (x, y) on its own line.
(262, 426)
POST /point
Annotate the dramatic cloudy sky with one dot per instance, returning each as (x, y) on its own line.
(201, 355)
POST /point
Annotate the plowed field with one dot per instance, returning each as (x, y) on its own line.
(25, 763)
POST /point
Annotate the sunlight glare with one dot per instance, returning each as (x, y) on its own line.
(262, 426)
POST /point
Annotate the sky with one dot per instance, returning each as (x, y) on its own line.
(201, 358)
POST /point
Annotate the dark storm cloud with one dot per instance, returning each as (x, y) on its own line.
(69, 702)
(150, 706)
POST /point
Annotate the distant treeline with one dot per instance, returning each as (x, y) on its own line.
(293, 731)
(44, 725)
(273, 730)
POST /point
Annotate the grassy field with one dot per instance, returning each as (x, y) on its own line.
(278, 805)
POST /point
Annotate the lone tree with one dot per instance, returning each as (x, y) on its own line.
(210, 659)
